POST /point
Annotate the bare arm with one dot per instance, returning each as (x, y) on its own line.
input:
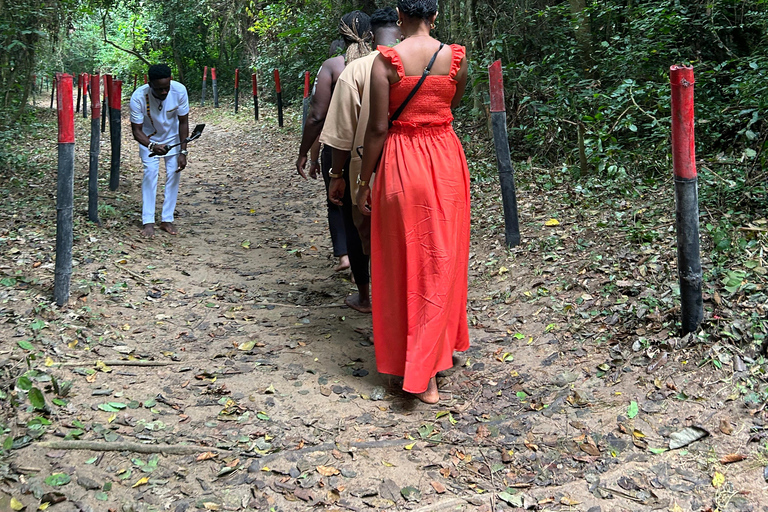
(461, 85)
(318, 108)
(183, 134)
(338, 185)
(376, 132)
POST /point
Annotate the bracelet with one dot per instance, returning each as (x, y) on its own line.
(360, 182)
(314, 162)
(151, 146)
(336, 176)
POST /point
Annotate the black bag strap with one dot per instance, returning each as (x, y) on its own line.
(415, 87)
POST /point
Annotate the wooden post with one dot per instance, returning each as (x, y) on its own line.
(279, 92)
(65, 189)
(687, 198)
(115, 95)
(104, 106)
(215, 86)
(205, 79)
(237, 88)
(53, 90)
(305, 102)
(93, 168)
(503, 160)
(79, 90)
(85, 95)
(255, 97)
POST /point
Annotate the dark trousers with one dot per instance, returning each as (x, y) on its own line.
(358, 260)
(336, 222)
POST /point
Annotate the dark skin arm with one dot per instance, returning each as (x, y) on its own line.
(318, 109)
(378, 126)
(183, 134)
(338, 186)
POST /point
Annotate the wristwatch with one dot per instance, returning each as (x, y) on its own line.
(336, 176)
(360, 182)
(184, 152)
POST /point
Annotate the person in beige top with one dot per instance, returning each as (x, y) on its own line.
(344, 132)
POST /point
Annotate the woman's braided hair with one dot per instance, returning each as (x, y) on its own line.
(419, 9)
(355, 29)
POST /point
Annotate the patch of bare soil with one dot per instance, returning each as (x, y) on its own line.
(219, 370)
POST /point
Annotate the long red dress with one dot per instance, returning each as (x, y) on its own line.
(420, 232)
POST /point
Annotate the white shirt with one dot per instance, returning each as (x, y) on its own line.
(159, 120)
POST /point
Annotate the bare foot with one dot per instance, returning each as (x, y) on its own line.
(354, 302)
(343, 264)
(148, 231)
(169, 227)
(431, 395)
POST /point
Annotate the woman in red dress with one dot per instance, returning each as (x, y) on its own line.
(419, 202)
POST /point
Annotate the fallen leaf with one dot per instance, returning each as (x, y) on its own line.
(552, 222)
(327, 470)
(437, 486)
(16, 504)
(718, 480)
(732, 457)
(206, 456)
(141, 481)
(725, 426)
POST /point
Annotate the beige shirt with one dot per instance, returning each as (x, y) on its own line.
(348, 114)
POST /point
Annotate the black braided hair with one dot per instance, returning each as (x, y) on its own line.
(384, 17)
(357, 21)
(419, 9)
(158, 72)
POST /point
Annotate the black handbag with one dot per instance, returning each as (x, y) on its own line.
(408, 98)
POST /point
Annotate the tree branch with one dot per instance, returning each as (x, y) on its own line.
(126, 50)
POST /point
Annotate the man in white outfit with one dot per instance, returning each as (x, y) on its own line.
(160, 119)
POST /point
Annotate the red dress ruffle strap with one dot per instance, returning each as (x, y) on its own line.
(459, 52)
(391, 55)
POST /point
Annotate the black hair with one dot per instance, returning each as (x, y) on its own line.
(337, 47)
(359, 23)
(420, 9)
(158, 72)
(383, 17)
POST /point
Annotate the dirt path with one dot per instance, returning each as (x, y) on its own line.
(275, 381)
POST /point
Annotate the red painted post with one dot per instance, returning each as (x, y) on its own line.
(79, 91)
(279, 92)
(215, 86)
(93, 168)
(255, 96)
(135, 81)
(237, 88)
(104, 105)
(85, 95)
(205, 79)
(687, 198)
(65, 188)
(145, 79)
(503, 159)
(115, 128)
(305, 102)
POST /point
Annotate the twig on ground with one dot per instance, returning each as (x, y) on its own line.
(118, 362)
(98, 446)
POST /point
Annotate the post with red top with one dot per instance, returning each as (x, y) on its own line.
(145, 79)
(85, 95)
(305, 103)
(93, 168)
(279, 92)
(135, 81)
(115, 95)
(104, 106)
(503, 160)
(255, 97)
(65, 189)
(686, 198)
(53, 90)
(79, 90)
(205, 79)
(215, 86)
(237, 88)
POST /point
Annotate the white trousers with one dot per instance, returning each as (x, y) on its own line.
(149, 187)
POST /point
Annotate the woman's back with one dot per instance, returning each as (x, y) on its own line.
(431, 105)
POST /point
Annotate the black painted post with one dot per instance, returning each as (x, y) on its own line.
(205, 79)
(86, 79)
(687, 198)
(215, 86)
(503, 160)
(79, 90)
(237, 88)
(255, 97)
(65, 189)
(93, 168)
(53, 90)
(114, 133)
(279, 92)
